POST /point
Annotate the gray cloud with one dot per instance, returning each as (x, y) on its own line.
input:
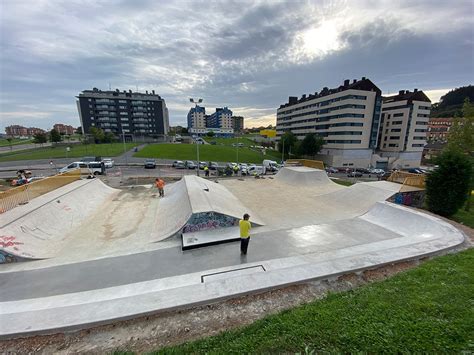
(247, 55)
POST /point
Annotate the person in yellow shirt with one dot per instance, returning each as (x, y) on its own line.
(245, 226)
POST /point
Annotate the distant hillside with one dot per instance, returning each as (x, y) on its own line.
(450, 105)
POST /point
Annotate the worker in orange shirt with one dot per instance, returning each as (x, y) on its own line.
(160, 185)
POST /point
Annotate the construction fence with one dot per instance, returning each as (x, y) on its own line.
(408, 179)
(316, 164)
(25, 193)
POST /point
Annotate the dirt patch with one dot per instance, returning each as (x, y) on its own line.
(170, 328)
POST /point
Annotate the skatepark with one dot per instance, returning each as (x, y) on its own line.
(87, 254)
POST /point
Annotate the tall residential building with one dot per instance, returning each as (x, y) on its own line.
(238, 123)
(347, 118)
(404, 126)
(64, 129)
(132, 114)
(197, 117)
(359, 127)
(222, 118)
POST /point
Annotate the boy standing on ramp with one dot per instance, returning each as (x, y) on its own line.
(245, 226)
(160, 184)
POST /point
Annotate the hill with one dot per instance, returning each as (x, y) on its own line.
(450, 105)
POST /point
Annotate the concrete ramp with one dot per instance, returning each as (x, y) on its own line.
(193, 204)
(303, 176)
(38, 230)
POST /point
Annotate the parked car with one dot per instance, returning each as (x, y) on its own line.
(89, 159)
(213, 165)
(108, 162)
(178, 164)
(415, 171)
(363, 170)
(270, 165)
(150, 164)
(355, 174)
(377, 171)
(189, 164)
(332, 170)
(243, 168)
(254, 170)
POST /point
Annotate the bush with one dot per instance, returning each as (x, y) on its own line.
(447, 187)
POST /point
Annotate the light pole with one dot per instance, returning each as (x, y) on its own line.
(196, 102)
(124, 148)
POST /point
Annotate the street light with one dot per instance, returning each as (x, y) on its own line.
(196, 102)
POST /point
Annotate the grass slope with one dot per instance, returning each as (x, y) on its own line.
(207, 152)
(15, 141)
(465, 217)
(77, 150)
(427, 309)
(229, 141)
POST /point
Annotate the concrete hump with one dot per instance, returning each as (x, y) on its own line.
(303, 176)
(38, 230)
(190, 199)
(408, 222)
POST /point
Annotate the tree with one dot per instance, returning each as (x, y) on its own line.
(54, 136)
(210, 134)
(98, 134)
(447, 186)
(311, 145)
(79, 130)
(287, 141)
(40, 138)
(461, 133)
(109, 137)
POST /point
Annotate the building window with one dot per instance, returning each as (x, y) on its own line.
(394, 137)
(397, 122)
(398, 115)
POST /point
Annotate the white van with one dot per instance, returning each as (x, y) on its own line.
(270, 165)
(76, 165)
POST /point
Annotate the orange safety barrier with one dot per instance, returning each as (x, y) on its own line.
(409, 179)
(316, 164)
(23, 194)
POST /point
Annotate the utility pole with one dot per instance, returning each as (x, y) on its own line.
(196, 102)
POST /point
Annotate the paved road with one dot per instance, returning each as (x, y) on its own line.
(19, 147)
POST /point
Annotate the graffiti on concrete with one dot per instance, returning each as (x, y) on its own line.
(208, 220)
(8, 241)
(412, 198)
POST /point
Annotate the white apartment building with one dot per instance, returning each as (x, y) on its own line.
(356, 133)
(197, 117)
(403, 128)
(346, 117)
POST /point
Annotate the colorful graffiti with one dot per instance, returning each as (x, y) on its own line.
(208, 220)
(413, 198)
(8, 241)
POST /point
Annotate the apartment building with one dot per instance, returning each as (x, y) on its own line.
(64, 129)
(404, 124)
(238, 123)
(127, 113)
(347, 117)
(438, 129)
(17, 131)
(359, 126)
(222, 118)
(197, 117)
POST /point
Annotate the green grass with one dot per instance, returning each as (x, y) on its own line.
(342, 182)
(465, 217)
(15, 141)
(229, 141)
(77, 150)
(207, 152)
(428, 309)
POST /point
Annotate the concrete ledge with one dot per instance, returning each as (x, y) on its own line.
(81, 310)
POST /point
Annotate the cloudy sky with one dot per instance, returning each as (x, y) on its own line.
(247, 55)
